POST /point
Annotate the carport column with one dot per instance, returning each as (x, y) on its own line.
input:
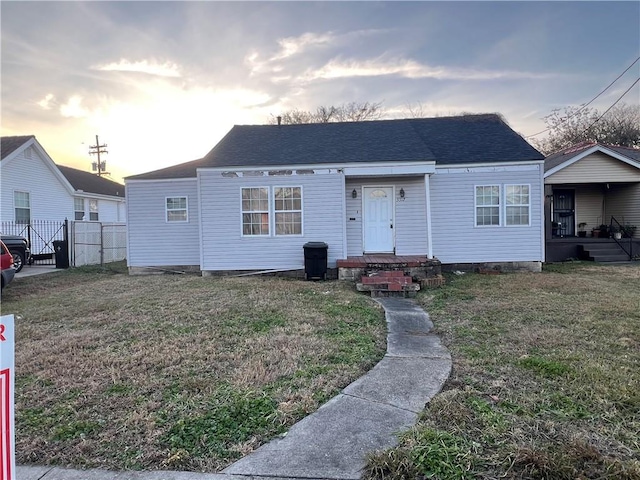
(427, 192)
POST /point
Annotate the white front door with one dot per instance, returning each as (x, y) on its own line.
(378, 219)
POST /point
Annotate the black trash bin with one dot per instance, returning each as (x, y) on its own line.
(61, 252)
(315, 260)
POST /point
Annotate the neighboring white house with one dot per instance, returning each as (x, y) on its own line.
(465, 190)
(34, 188)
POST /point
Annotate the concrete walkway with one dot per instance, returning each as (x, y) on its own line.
(333, 442)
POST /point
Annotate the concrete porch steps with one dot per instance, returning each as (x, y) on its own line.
(606, 252)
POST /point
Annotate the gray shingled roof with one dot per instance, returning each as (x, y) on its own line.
(445, 140)
(558, 158)
(90, 183)
(8, 145)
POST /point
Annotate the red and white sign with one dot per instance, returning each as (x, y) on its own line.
(7, 440)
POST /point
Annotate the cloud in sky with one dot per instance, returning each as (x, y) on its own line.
(47, 102)
(166, 69)
(162, 82)
(412, 70)
(73, 108)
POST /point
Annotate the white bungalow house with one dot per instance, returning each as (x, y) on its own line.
(586, 186)
(35, 188)
(467, 190)
(37, 196)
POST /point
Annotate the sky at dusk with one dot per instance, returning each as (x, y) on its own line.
(162, 82)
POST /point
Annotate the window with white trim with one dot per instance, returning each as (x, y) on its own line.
(487, 205)
(517, 204)
(288, 210)
(176, 209)
(78, 207)
(255, 211)
(22, 205)
(93, 210)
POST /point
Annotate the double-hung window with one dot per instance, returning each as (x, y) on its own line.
(288, 210)
(22, 204)
(517, 204)
(78, 207)
(498, 205)
(271, 211)
(487, 205)
(255, 211)
(176, 209)
(93, 210)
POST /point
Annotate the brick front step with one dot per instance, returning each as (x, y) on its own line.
(388, 283)
(389, 289)
(384, 278)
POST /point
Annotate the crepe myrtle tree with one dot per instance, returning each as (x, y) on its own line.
(347, 112)
(618, 126)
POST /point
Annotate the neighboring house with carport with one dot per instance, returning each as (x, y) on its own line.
(465, 190)
(586, 186)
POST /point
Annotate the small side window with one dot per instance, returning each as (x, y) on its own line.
(176, 209)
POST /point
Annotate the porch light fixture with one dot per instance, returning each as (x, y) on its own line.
(354, 193)
(402, 193)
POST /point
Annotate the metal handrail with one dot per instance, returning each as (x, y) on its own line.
(620, 229)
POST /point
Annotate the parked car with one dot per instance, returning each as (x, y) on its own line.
(6, 265)
(19, 248)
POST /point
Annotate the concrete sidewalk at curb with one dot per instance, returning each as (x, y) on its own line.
(333, 442)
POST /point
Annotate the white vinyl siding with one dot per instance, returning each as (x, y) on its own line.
(453, 219)
(151, 240)
(224, 247)
(49, 199)
(177, 209)
(410, 227)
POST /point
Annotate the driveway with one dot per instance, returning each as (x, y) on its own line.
(30, 270)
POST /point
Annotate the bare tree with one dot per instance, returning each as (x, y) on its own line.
(618, 126)
(414, 111)
(347, 112)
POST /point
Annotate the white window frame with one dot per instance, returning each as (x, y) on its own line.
(300, 211)
(271, 212)
(94, 215)
(256, 212)
(528, 205)
(185, 209)
(15, 206)
(76, 211)
(476, 206)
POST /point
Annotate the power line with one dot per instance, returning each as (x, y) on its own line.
(605, 112)
(590, 101)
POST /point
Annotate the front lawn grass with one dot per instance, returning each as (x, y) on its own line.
(545, 381)
(177, 371)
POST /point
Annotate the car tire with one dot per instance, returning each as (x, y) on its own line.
(18, 260)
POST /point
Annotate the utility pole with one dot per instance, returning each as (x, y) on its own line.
(98, 166)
